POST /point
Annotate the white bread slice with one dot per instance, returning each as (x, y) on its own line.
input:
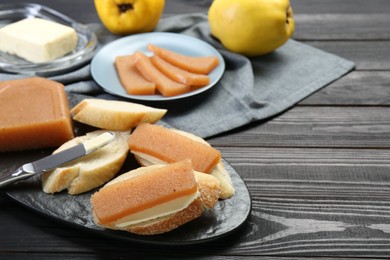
(90, 171)
(115, 115)
(209, 188)
(206, 198)
(219, 171)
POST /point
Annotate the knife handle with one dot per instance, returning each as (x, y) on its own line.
(19, 174)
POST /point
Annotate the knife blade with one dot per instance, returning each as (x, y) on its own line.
(57, 159)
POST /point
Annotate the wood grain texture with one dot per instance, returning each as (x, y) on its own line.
(318, 126)
(358, 88)
(342, 27)
(367, 55)
(319, 173)
(340, 7)
(318, 201)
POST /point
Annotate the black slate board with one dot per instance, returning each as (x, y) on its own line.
(227, 216)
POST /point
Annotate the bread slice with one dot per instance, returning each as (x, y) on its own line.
(142, 146)
(115, 115)
(90, 171)
(155, 199)
(209, 188)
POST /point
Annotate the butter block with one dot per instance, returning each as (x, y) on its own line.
(34, 113)
(37, 40)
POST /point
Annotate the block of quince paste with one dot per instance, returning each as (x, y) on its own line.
(37, 40)
(34, 113)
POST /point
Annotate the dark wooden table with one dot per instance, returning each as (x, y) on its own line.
(319, 173)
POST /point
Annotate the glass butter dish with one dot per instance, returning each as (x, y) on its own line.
(83, 53)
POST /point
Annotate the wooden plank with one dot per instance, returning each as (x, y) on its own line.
(353, 127)
(338, 26)
(367, 55)
(182, 6)
(85, 12)
(358, 88)
(81, 11)
(248, 157)
(316, 201)
(343, 7)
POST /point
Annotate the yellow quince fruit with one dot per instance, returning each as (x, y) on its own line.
(251, 27)
(125, 17)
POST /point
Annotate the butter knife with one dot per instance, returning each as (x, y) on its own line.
(57, 159)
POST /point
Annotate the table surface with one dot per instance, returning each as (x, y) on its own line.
(318, 174)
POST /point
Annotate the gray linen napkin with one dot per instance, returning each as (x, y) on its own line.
(250, 89)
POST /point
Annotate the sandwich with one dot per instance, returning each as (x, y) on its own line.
(154, 199)
(154, 144)
(90, 171)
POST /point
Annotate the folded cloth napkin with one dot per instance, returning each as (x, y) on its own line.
(250, 89)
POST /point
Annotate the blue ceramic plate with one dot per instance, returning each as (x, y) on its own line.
(103, 70)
